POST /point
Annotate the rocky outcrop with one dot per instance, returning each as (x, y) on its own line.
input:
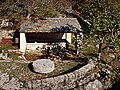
(10, 84)
(95, 85)
(14, 84)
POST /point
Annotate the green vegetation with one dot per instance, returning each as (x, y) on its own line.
(14, 56)
(18, 10)
(3, 47)
(104, 19)
(90, 51)
(21, 70)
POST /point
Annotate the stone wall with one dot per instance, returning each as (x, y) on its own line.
(74, 80)
(65, 82)
(80, 79)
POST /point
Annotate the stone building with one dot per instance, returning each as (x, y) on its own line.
(51, 30)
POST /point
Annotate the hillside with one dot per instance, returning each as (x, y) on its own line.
(101, 41)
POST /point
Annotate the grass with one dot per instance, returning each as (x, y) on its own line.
(90, 51)
(14, 56)
(4, 47)
(21, 70)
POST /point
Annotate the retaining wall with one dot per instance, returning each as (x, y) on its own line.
(67, 81)
(78, 80)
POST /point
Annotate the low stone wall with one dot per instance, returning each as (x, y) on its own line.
(63, 82)
(75, 80)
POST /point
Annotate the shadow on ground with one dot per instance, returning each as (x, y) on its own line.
(30, 66)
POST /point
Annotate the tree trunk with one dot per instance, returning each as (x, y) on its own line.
(31, 8)
(100, 48)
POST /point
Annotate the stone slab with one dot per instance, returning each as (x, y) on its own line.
(43, 66)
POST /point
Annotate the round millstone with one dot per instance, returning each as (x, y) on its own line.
(43, 66)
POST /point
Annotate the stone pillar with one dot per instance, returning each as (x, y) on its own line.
(79, 42)
(22, 42)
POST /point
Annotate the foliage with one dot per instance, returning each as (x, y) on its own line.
(5, 48)
(89, 51)
(18, 10)
(104, 17)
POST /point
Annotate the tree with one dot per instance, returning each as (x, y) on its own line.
(104, 17)
(18, 10)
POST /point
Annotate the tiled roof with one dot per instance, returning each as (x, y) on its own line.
(48, 24)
